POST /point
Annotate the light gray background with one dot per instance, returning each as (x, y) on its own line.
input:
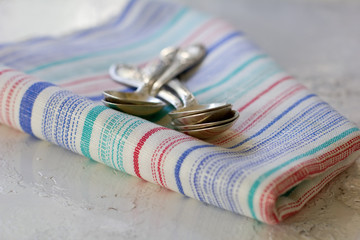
(47, 192)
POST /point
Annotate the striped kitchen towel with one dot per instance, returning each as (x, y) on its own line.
(285, 147)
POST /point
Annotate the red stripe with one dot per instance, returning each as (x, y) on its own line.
(196, 33)
(217, 29)
(278, 101)
(2, 94)
(309, 192)
(94, 88)
(162, 157)
(336, 157)
(85, 80)
(171, 146)
(140, 145)
(206, 40)
(273, 219)
(201, 29)
(301, 171)
(314, 190)
(16, 97)
(264, 92)
(8, 100)
(6, 70)
(261, 114)
(276, 191)
(156, 154)
(265, 109)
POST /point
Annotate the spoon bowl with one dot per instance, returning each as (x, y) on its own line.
(191, 109)
(208, 132)
(199, 109)
(230, 117)
(140, 110)
(131, 98)
(203, 117)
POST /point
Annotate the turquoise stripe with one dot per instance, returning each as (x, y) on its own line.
(88, 128)
(105, 136)
(270, 172)
(119, 141)
(232, 74)
(123, 140)
(99, 66)
(160, 115)
(169, 25)
(248, 83)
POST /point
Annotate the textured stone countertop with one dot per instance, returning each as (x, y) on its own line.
(47, 192)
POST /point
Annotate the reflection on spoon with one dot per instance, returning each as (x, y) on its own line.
(134, 109)
(191, 107)
(163, 73)
(209, 132)
(229, 117)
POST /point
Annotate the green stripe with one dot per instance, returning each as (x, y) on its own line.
(98, 65)
(160, 32)
(122, 141)
(107, 135)
(160, 115)
(119, 141)
(249, 82)
(88, 128)
(270, 172)
(232, 74)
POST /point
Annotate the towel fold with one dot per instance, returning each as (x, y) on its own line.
(286, 145)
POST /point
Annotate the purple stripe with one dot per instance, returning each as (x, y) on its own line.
(27, 104)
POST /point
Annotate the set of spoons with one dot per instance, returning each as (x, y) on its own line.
(198, 120)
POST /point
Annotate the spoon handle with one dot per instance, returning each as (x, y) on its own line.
(132, 78)
(156, 68)
(186, 97)
(175, 68)
(184, 59)
(169, 97)
(150, 74)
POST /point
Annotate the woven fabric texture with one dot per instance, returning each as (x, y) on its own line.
(286, 145)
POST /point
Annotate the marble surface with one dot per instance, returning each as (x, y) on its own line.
(47, 192)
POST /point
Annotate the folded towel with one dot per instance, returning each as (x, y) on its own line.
(286, 145)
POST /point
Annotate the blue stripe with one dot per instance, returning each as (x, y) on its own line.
(274, 121)
(226, 161)
(232, 74)
(275, 153)
(49, 49)
(27, 104)
(96, 98)
(236, 166)
(122, 16)
(260, 179)
(302, 116)
(180, 162)
(249, 80)
(83, 33)
(125, 13)
(150, 39)
(229, 50)
(26, 42)
(73, 46)
(224, 40)
(211, 49)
